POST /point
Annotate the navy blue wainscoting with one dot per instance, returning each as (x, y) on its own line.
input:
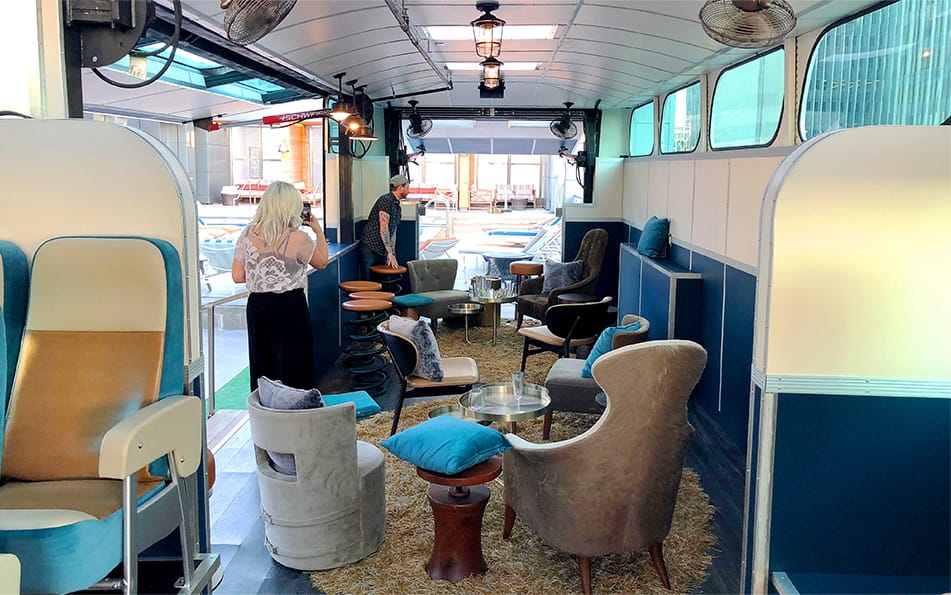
(737, 355)
(860, 487)
(707, 393)
(629, 283)
(322, 299)
(617, 234)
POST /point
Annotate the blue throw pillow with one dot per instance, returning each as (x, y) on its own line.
(561, 274)
(360, 398)
(446, 444)
(653, 241)
(603, 345)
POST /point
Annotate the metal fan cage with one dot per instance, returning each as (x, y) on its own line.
(730, 25)
(247, 21)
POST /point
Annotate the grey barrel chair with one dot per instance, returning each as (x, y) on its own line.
(435, 278)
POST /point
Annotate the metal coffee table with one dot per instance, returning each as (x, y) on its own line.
(498, 403)
(466, 309)
(494, 305)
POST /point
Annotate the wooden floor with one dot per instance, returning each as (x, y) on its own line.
(237, 532)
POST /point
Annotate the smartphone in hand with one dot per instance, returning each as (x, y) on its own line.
(305, 213)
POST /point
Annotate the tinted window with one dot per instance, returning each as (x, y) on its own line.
(642, 130)
(889, 66)
(747, 103)
(680, 123)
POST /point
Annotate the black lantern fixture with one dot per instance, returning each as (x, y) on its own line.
(487, 30)
(491, 73)
(341, 110)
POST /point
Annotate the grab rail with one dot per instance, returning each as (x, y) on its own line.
(210, 307)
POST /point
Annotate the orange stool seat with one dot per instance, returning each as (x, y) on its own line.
(382, 269)
(352, 286)
(526, 267)
(373, 295)
(366, 305)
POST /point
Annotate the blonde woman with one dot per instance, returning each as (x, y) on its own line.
(271, 258)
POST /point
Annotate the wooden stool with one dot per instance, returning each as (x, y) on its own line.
(457, 519)
(352, 286)
(389, 276)
(386, 296)
(363, 356)
(524, 268)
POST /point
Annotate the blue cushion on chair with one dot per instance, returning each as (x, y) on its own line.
(653, 240)
(412, 300)
(446, 444)
(603, 345)
(364, 402)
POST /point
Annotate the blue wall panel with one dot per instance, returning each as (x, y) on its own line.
(707, 393)
(617, 234)
(861, 485)
(655, 300)
(738, 315)
(322, 292)
(629, 282)
(679, 256)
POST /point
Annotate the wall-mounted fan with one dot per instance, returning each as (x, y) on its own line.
(563, 127)
(418, 125)
(747, 23)
(249, 20)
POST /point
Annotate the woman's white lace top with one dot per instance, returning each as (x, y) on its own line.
(278, 269)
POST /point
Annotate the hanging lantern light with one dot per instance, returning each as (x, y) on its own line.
(491, 73)
(487, 30)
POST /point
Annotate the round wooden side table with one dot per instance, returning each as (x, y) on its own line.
(457, 519)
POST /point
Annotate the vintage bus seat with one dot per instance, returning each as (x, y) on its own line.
(14, 290)
(96, 398)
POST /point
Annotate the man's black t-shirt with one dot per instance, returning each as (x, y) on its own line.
(388, 203)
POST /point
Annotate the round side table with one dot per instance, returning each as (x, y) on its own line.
(466, 309)
(457, 519)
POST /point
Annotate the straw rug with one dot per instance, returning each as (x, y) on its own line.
(522, 564)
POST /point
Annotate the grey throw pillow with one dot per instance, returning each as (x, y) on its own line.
(275, 395)
(561, 274)
(429, 363)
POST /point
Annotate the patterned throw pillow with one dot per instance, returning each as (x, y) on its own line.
(275, 395)
(429, 363)
(561, 274)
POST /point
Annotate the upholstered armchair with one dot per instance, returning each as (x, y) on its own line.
(613, 488)
(332, 510)
(569, 390)
(532, 302)
(434, 278)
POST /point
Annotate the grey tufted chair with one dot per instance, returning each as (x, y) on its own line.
(434, 279)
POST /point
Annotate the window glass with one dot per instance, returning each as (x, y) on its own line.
(642, 131)
(889, 66)
(439, 170)
(748, 102)
(680, 122)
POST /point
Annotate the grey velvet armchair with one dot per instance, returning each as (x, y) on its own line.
(532, 302)
(613, 488)
(434, 278)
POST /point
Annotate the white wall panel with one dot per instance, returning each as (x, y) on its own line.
(657, 194)
(748, 179)
(710, 199)
(680, 199)
(636, 175)
(608, 191)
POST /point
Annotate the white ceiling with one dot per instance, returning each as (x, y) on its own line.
(619, 52)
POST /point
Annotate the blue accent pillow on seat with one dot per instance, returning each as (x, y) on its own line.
(603, 345)
(561, 274)
(446, 444)
(653, 240)
(360, 398)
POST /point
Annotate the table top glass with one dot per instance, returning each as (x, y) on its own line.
(497, 402)
(494, 300)
(465, 308)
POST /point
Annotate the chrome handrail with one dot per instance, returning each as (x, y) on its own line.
(210, 307)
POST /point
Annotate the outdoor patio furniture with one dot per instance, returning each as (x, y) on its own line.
(435, 279)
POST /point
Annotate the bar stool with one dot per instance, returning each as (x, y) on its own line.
(349, 287)
(523, 268)
(389, 276)
(386, 296)
(363, 356)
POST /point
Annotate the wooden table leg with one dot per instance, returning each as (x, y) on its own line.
(457, 549)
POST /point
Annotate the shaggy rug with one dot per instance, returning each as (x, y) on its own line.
(522, 564)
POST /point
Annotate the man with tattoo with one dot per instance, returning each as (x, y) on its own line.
(378, 243)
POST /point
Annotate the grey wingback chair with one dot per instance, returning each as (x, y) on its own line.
(532, 302)
(434, 278)
(613, 488)
(333, 511)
